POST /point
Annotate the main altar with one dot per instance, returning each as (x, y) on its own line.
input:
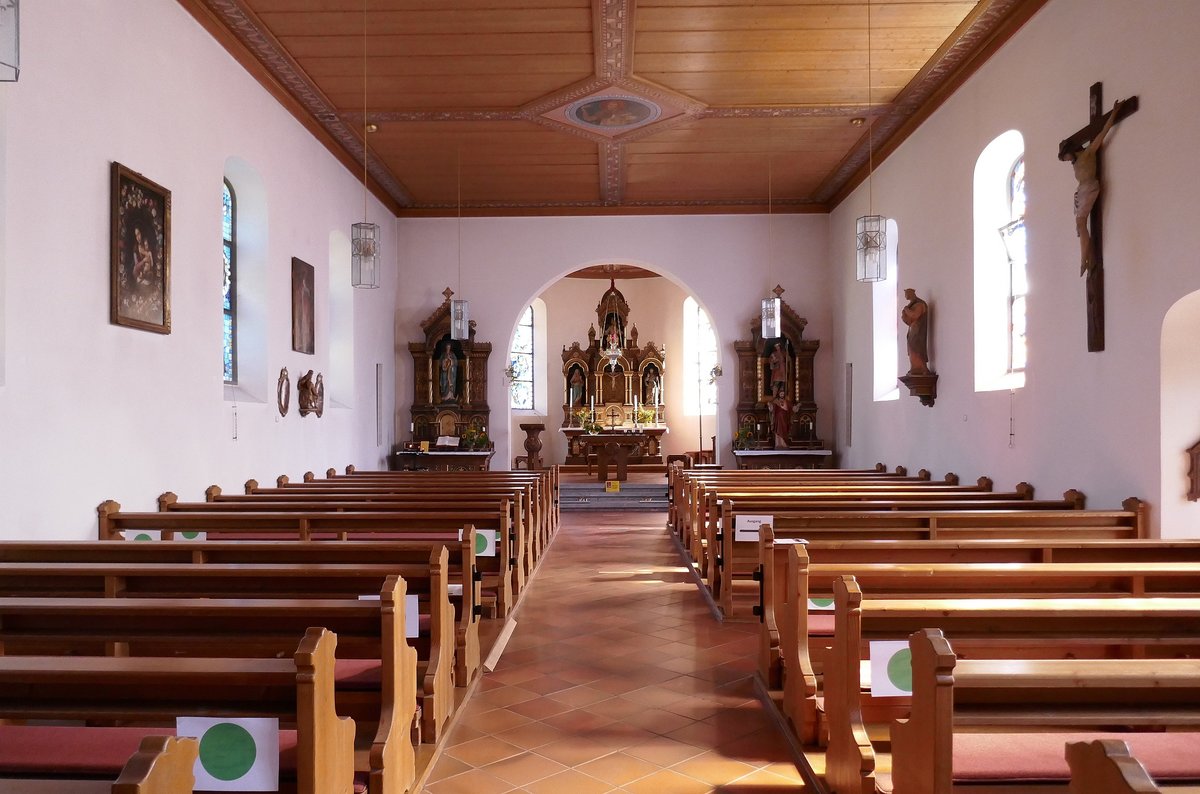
(614, 385)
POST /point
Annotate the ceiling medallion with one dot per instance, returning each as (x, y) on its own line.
(613, 112)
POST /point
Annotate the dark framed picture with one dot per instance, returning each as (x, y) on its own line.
(303, 282)
(140, 262)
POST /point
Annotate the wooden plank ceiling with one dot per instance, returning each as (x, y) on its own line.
(602, 106)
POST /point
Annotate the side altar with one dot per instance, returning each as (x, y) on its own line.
(615, 385)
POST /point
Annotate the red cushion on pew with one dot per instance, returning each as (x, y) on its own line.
(820, 624)
(1041, 756)
(99, 752)
(357, 674)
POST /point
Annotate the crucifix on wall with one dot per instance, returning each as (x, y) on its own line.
(1083, 150)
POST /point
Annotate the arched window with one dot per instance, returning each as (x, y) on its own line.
(229, 233)
(1013, 235)
(699, 357)
(885, 312)
(520, 362)
(1000, 276)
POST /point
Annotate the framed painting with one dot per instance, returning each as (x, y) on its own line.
(303, 282)
(140, 259)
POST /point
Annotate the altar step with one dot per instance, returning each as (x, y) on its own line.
(573, 468)
(632, 496)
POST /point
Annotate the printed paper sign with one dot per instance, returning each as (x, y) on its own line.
(236, 754)
(412, 616)
(820, 604)
(612, 486)
(891, 668)
(486, 541)
(191, 535)
(141, 534)
(746, 527)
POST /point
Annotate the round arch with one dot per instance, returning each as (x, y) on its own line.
(1179, 428)
(551, 369)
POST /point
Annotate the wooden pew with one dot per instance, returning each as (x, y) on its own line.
(1105, 766)
(153, 691)
(379, 681)
(527, 518)
(931, 520)
(780, 579)
(500, 572)
(371, 562)
(51, 588)
(1004, 628)
(1003, 723)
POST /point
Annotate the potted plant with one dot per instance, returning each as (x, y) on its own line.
(743, 438)
(645, 416)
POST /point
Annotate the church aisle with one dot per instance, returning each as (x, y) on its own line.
(617, 678)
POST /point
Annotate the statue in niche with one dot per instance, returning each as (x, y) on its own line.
(575, 387)
(781, 417)
(777, 364)
(311, 394)
(651, 384)
(916, 316)
(613, 333)
(448, 375)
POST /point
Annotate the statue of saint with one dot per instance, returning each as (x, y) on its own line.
(650, 383)
(575, 387)
(916, 316)
(448, 375)
(777, 363)
(781, 418)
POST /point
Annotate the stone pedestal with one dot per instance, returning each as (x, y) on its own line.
(533, 444)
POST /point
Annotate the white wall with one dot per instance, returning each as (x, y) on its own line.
(1085, 420)
(89, 410)
(506, 262)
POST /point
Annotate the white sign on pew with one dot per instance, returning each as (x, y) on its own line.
(746, 526)
(486, 541)
(154, 534)
(891, 668)
(236, 753)
(412, 616)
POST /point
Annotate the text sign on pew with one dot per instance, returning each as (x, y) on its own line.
(236, 754)
(746, 526)
(891, 668)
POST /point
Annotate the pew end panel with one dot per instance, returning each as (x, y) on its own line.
(917, 753)
(329, 739)
(162, 765)
(1105, 766)
(392, 757)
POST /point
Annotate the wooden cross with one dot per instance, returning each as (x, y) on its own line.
(613, 413)
(1095, 277)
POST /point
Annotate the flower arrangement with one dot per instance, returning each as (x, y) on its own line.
(743, 438)
(474, 439)
(589, 425)
(645, 416)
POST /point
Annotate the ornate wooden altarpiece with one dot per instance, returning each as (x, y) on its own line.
(449, 379)
(593, 381)
(755, 376)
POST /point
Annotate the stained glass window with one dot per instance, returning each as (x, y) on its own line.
(229, 233)
(1013, 235)
(520, 360)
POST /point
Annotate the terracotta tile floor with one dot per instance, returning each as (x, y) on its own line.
(617, 679)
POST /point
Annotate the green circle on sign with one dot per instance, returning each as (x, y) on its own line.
(142, 536)
(899, 669)
(821, 602)
(227, 751)
(190, 535)
(480, 543)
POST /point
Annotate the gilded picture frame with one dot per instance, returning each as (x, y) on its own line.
(140, 258)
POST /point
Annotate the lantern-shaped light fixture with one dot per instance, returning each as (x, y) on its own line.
(364, 255)
(772, 317)
(460, 319)
(871, 248)
(10, 40)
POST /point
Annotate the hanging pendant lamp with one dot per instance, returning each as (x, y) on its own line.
(460, 310)
(772, 305)
(870, 232)
(364, 236)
